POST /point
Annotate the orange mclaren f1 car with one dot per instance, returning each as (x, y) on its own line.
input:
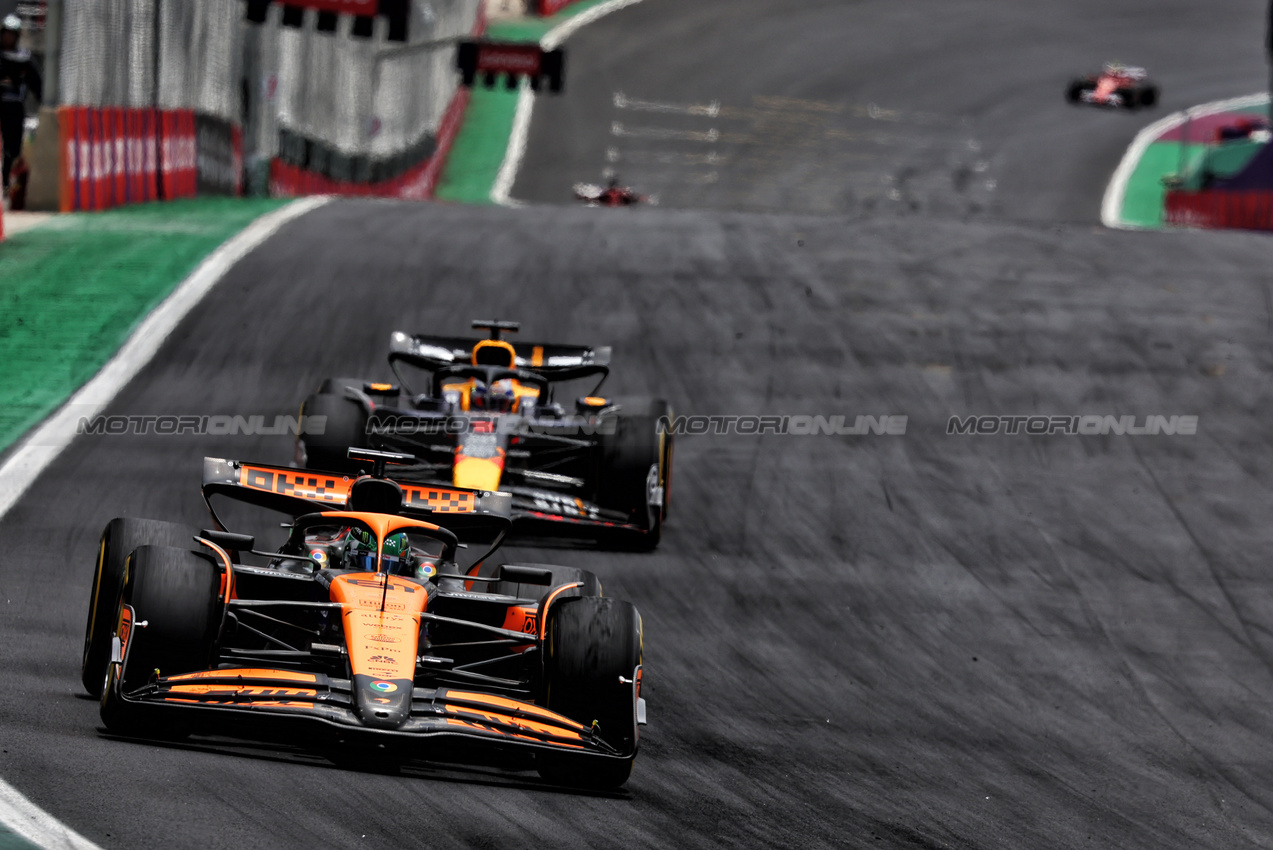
(362, 636)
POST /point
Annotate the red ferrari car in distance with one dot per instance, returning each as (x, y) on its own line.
(613, 194)
(1116, 85)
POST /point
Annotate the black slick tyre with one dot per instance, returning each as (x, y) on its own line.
(120, 537)
(174, 593)
(592, 649)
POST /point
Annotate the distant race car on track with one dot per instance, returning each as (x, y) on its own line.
(485, 414)
(1116, 85)
(361, 637)
(611, 195)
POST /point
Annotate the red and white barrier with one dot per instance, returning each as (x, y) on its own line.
(113, 156)
(1220, 208)
(552, 7)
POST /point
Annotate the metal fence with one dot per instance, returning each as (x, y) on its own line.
(146, 53)
(367, 104)
(360, 96)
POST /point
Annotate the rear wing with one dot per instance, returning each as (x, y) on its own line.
(555, 362)
(301, 491)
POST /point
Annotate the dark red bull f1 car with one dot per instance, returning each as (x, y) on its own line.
(362, 636)
(489, 414)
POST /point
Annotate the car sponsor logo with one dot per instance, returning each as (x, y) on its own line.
(388, 604)
(314, 488)
(384, 638)
(564, 505)
(438, 500)
(376, 584)
(385, 687)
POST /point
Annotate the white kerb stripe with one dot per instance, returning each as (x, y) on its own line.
(1116, 192)
(44, 444)
(29, 821)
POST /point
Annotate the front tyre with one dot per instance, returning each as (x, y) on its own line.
(592, 651)
(176, 616)
(120, 537)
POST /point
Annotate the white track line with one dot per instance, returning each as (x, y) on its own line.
(29, 821)
(39, 449)
(500, 192)
(1116, 192)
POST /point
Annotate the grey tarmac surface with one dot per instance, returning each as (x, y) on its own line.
(924, 640)
(876, 108)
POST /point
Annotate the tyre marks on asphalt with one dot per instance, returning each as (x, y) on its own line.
(778, 152)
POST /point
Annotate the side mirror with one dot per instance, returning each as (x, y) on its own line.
(525, 575)
(228, 540)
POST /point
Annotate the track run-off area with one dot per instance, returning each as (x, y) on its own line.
(918, 640)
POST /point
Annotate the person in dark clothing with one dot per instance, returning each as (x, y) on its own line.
(18, 76)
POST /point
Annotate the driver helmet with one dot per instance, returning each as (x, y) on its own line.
(498, 397)
(397, 555)
(360, 550)
(12, 23)
(502, 396)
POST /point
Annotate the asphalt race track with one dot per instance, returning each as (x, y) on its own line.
(926, 640)
(874, 108)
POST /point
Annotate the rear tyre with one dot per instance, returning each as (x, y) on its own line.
(346, 427)
(120, 537)
(589, 645)
(1075, 90)
(633, 466)
(175, 593)
(1130, 98)
(1149, 96)
(661, 410)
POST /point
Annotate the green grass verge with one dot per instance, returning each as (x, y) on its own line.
(1143, 200)
(1145, 194)
(10, 840)
(73, 289)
